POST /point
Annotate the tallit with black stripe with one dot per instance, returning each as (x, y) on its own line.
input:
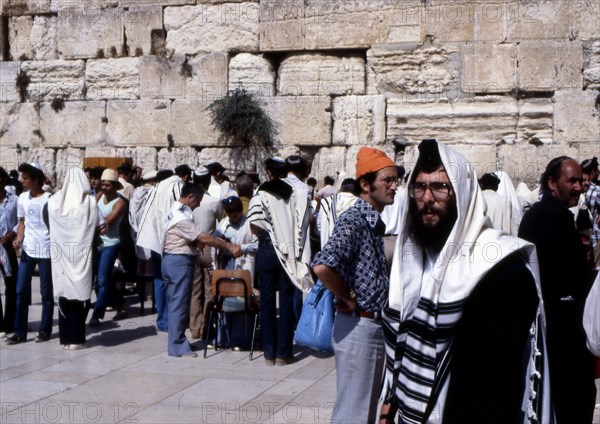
(430, 305)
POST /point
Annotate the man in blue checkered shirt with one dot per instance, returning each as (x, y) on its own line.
(352, 265)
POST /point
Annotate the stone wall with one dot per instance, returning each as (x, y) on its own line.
(510, 83)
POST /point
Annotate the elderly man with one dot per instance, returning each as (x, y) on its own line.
(566, 280)
(462, 321)
(352, 265)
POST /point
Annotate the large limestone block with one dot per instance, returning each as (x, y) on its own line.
(358, 120)
(19, 124)
(144, 157)
(171, 158)
(101, 151)
(161, 78)
(489, 68)
(282, 25)
(483, 158)
(90, 33)
(587, 150)
(538, 19)
(207, 28)
(535, 123)
(253, 72)
(303, 120)
(460, 21)
(113, 79)
(576, 117)
(486, 121)
(412, 70)
(585, 19)
(89, 6)
(208, 80)
(139, 23)
(8, 76)
(129, 3)
(24, 7)
(234, 160)
(65, 160)
(19, 32)
(55, 78)
(520, 162)
(591, 66)
(78, 124)
(141, 123)
(550, 65)
(309, 74)
(44, 40)
(329, 161)
(9, 158)
(45, 157)
(190, 124)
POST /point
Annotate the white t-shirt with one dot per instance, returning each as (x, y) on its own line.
(36, 241)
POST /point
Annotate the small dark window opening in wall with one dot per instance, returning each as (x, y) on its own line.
(4, 48)
(158, 42)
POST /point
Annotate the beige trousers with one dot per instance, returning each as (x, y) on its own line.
(201, 293)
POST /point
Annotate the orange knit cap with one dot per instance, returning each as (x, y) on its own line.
(371, 160)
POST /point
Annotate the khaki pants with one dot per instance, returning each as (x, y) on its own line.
(201, 293)
(597, 254)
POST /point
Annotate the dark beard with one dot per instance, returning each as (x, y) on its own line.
(433, 237)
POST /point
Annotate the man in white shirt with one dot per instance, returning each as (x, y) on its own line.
(499, 209)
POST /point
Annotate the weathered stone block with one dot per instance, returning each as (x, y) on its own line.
(144, 157)
(303, 120)
(282, 25)
(45, 157)
(208, 79)
(24, 7)
(233, 159)
(19, 32)
(129, 3)
(206, 28)
(19, 124)
(483, 158)
(587, 150)
(101, 151)
(538, 19)
(90, 33)
(520, 162)
(65, 160)
(161, 78)
(486, 121)
(113, 79)
(535, 121)
(591, 66)
(169, 159)
(408, 69)
(9, 158)
(576, 117)
(489, 68)
(8, 76)
(78, 124)
(55, 78)
(190, 124)
(330, 161)
(89, 6)
(550, 65)
(252, 72)
(44, 42)
(139, 23)
(358, 120)
(309, 74)
(585, 19)
(141, 123)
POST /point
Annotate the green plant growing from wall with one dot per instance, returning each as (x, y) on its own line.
(239, 117)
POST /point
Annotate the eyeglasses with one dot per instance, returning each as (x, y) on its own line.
(439, 190)
(389, 181)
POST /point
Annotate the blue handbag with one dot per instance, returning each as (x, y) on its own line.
(315, 327)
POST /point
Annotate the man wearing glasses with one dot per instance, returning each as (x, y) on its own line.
(463, 326)
(352, 265)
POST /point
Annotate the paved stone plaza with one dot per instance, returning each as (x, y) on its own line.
(127, 377)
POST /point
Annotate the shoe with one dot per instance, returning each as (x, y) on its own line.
(269, 362)
(14, 339)
(110, 309)
(40, 338)
(120, 315)
(162, 330)
(94, 322)
(284, 361)
(2, 335)
(189, 354)
(77, 346)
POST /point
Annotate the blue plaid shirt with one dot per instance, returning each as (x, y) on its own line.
(355, 251)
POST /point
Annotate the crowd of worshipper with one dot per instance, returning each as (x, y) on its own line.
(458, 299)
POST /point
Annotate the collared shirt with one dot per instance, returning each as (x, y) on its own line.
(355, 251)
(592, 200)
(8, 214)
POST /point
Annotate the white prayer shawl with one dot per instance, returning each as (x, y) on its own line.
(160, 200)
(472, 249)
(525, 195)
(392, 214)
(178, 212)
(287, 222)
(73, 217)
(591, 318)
(220, 191)
(507, 189)
(499, 211)
(331, 209)
(136, 210)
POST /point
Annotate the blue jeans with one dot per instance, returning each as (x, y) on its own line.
(178, 273)
(106, 261)
(26, 268)
(277, 336)
(160, 294)
(359, 349)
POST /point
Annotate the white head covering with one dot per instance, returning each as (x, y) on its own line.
(507, 190)
(73, 217)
